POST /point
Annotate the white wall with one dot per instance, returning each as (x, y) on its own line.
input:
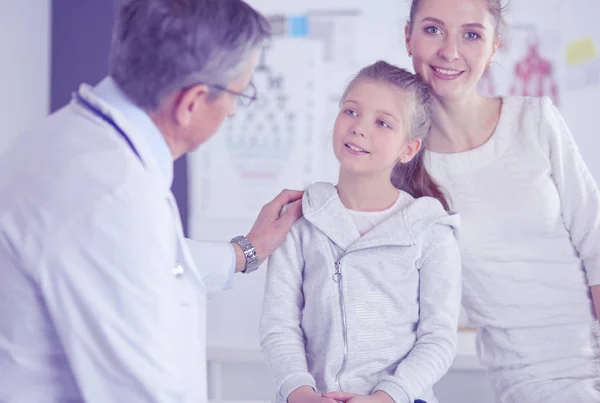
(580, 106)
(233, 315)
(24, 65)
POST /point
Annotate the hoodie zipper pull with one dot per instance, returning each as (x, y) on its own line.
(337, 276)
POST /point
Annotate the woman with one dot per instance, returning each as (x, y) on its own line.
(529, 206)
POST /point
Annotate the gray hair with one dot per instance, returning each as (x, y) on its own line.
(160, 47)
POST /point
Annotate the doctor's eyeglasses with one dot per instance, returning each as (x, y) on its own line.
(243, 98)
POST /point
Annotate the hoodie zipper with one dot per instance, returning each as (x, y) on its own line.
(337, 277)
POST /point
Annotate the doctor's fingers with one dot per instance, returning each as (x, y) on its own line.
(275, 206)
(291, 213)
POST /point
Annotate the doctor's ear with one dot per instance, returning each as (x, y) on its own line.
(188, 101)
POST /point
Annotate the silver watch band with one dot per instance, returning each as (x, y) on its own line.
(249, 253)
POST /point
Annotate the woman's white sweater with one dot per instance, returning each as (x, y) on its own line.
(530, 245)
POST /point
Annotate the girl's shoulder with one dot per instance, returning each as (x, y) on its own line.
(426, 215)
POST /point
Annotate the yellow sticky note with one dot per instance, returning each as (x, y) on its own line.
(581, 51)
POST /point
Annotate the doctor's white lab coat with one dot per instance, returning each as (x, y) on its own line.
(101, 299)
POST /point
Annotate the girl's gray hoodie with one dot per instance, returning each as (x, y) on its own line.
(359, 314)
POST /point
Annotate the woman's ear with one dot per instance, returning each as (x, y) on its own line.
(495, 48)
(407, 38)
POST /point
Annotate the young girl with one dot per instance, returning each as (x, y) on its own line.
(363, 296)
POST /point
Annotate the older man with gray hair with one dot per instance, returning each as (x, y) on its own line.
(99, 290)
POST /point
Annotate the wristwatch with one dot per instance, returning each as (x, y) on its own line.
(249, 252)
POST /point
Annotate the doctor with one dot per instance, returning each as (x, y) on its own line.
(98, 288)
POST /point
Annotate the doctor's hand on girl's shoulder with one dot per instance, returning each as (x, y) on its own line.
(344, 397)
(274, 222)
(306, 394)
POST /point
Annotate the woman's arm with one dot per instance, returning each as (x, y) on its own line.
(579, 194)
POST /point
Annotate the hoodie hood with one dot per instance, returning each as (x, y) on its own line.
(322, 207)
